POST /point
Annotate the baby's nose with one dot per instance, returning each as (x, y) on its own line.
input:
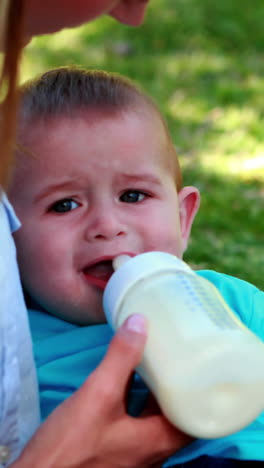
(108, 234)
(104, 227)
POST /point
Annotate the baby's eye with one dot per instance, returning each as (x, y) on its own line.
(64, 206)
(132, 196)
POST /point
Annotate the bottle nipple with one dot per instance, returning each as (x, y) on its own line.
(119, 261)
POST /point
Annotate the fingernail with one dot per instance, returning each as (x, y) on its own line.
(136, 323)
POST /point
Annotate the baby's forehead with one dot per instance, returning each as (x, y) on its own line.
(50, 132)
(38, 128)
(29, 138)
(41, 150)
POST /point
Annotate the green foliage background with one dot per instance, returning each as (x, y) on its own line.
(203, 62)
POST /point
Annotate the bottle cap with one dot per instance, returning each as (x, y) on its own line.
(134, 270)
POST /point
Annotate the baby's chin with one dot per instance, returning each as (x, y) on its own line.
(82, 316)
(84, 306)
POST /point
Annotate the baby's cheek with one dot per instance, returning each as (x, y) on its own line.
(173, 243)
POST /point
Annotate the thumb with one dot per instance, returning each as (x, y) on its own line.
(126, 349)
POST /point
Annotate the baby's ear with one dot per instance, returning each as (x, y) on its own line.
(189, 202)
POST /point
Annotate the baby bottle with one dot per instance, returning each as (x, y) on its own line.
(205, 368)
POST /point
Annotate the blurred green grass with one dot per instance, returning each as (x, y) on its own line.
(203, 63)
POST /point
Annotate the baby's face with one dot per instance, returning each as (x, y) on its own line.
(94, 190)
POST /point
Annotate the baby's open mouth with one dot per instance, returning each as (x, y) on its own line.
(99, 273)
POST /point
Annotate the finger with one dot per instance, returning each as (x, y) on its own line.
(151, 439)
(125, 350)
(163, 437)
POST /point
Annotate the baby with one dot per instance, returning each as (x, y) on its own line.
(103, 179)
(97, 176)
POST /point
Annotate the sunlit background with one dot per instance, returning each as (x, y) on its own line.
(203, 62)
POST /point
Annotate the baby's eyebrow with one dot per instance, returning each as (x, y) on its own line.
(74, 183)
(51, 188)
(141, 177)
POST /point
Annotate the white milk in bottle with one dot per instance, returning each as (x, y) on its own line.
(205, 368)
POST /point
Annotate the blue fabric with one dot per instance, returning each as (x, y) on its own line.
(66, 354)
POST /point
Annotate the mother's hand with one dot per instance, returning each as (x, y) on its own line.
(92, 429)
